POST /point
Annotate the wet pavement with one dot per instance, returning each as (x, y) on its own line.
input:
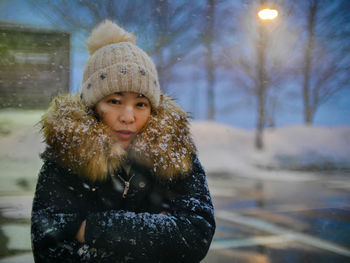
(258, 220)
(281, 220)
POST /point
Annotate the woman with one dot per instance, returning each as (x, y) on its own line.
(121, 181)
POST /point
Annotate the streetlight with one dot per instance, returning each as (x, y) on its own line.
(268, 14)
(262, 79)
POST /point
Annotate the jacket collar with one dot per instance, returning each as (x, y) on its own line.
(78, 141)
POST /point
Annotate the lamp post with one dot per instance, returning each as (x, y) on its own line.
(265, 14)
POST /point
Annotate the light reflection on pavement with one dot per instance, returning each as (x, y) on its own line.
(278, 221)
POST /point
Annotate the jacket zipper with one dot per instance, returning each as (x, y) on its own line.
(126, 185)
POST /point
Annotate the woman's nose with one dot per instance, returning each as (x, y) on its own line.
(127, 115)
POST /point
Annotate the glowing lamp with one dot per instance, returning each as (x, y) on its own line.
(268, 14)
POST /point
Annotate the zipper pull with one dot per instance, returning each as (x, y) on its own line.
(126, 189)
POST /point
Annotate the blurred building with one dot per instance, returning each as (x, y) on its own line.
(34, 65)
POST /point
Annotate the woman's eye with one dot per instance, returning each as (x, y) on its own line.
(114, 101)
(141, 104)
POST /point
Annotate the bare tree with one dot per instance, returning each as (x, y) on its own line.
(216, 25)
(261, 62)
(82, 15)
(208, 39)
(172, 32)
(325, 60)
(165, 25)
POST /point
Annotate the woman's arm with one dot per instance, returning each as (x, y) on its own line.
(55, 216)
(183, 234)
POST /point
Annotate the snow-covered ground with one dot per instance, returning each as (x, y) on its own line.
(20, 145)
(288, 151)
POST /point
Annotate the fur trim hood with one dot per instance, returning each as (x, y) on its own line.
(78, 141)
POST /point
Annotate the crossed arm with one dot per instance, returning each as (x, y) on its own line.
(183, 234)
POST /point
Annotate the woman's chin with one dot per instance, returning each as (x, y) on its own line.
(121, 141)
(124, 144)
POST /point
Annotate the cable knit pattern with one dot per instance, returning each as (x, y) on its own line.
(117, 65)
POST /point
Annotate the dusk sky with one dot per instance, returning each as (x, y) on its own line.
(240, 109)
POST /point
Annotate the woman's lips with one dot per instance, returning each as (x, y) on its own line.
(125, 134)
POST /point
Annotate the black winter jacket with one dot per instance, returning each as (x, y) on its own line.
(166, 215)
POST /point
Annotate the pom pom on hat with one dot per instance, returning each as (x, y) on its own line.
(117, 64)
(107, 33)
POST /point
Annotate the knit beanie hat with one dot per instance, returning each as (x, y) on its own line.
(116, 64)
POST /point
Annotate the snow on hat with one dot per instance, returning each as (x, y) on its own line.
(116, 64)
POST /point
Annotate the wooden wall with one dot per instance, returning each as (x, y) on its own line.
(34, 66)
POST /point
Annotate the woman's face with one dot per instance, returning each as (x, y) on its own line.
(126, 113)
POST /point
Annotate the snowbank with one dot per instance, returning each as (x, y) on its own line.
(223, 150)
(227, 149)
